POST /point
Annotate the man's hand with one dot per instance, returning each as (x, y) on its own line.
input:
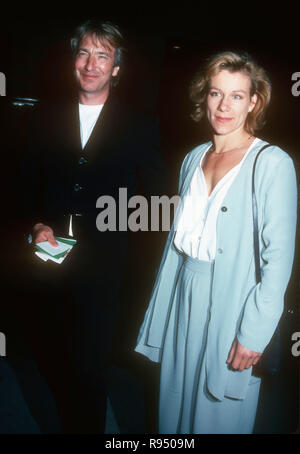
(241, 358)
(43, 232)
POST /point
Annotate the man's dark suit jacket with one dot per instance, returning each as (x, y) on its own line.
(122, 152)
(61, 178)
(73, 311)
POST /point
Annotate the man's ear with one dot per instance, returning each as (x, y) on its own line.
(115, 71)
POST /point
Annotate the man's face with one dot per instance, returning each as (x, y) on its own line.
(94, 68)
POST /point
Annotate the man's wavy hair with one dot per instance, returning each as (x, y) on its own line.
(105, 32)
(233, 62)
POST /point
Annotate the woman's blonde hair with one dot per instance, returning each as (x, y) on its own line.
(233, 62)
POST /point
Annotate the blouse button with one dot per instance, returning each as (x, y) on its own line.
(220, 251)
(224, 209)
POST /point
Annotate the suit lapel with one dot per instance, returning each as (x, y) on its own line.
(71, 130)
(103, 132)
(106, 130)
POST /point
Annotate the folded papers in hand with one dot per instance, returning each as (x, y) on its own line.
(57, 254)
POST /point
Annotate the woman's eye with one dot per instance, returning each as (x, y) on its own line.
(214, 93)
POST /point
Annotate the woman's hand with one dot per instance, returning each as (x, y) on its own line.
(241, 358)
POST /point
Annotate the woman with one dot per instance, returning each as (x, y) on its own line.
(208, 320)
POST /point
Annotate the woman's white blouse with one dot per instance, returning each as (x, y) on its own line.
(196, 227)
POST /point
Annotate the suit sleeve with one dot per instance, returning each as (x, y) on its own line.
(265, 302)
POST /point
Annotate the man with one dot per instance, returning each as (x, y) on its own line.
(89, 147)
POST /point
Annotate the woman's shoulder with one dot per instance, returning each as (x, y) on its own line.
(198, 149)
(273, 154)
(195, 153)
(273, 162)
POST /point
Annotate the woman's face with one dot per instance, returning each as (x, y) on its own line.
(229, 101)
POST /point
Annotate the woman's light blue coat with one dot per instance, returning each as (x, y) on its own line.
(239, 306)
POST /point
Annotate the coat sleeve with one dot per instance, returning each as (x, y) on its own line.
(264, 304)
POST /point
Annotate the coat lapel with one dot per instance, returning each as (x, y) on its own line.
(192, 168)
(230, 195)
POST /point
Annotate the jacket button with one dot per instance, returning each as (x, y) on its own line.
(82, 160)
(77, 187)
(224, 209)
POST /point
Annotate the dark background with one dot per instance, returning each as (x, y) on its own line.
(166, 44)
(36, 60)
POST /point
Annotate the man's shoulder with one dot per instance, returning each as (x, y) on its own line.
(130, 112)
(134, 123)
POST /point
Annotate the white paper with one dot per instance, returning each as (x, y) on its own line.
(52, 250)
(46, 257)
